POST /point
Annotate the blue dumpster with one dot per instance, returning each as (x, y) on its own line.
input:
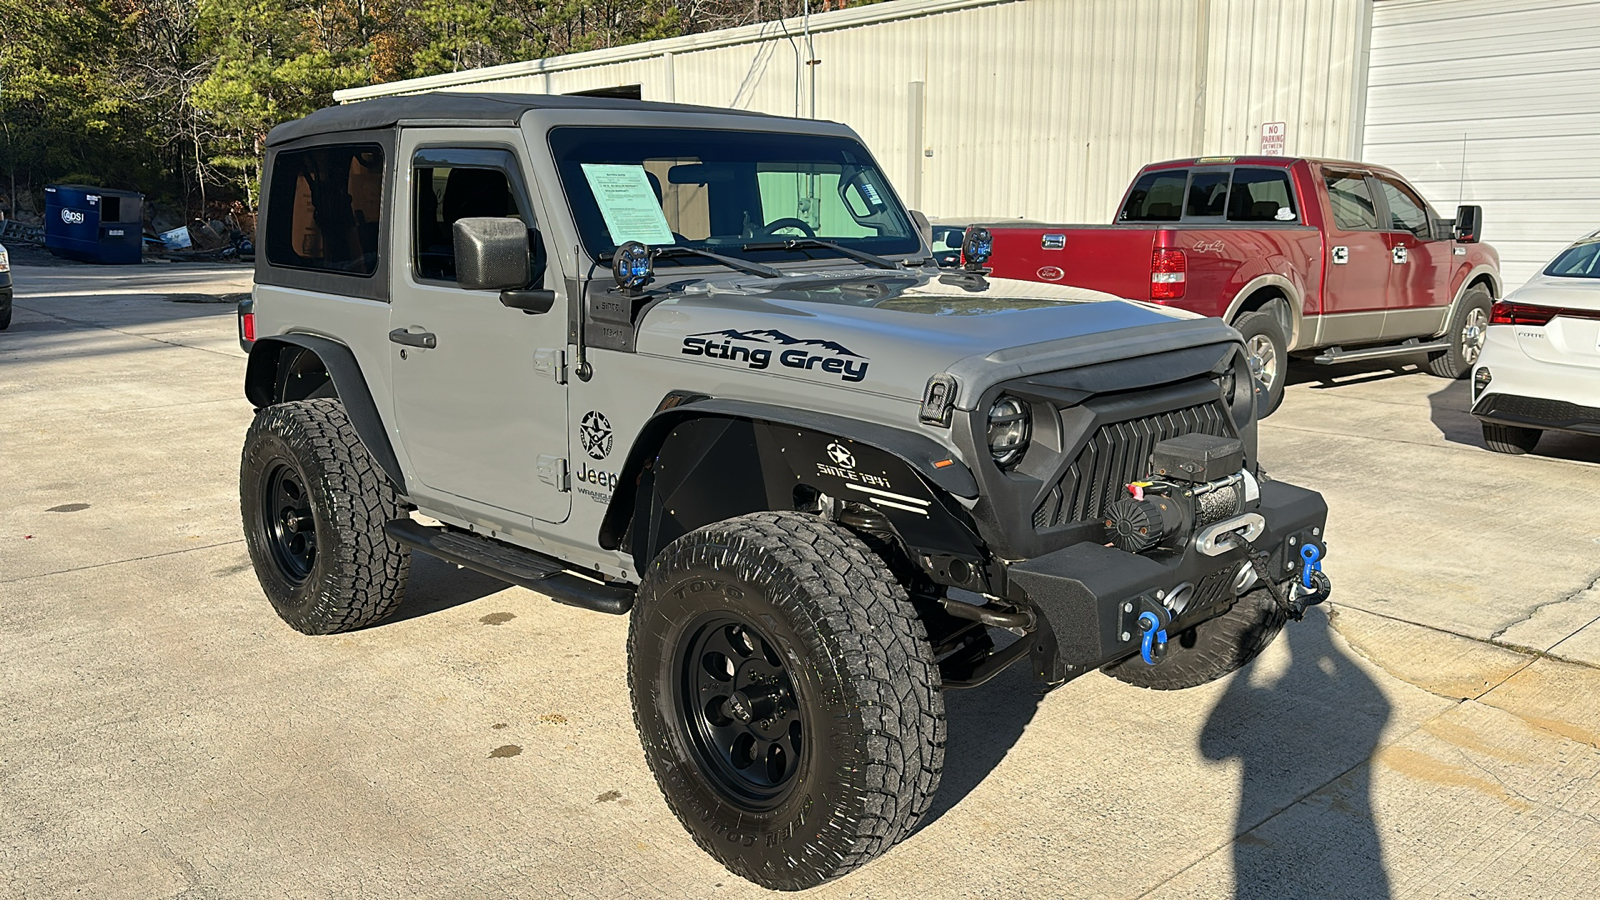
(96, 225)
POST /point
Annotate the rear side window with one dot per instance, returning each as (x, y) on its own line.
(1351, 199)
(324, 209)
(1406, 212)
(1156, 197)
(1261, 195)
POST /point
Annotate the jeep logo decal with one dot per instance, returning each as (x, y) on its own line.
(792, 352)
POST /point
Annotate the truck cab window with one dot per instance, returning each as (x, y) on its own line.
(1261, 195)
(1406, 211)
(445, 194)
(1208, 195)
(1351, 199)
(1156, 197)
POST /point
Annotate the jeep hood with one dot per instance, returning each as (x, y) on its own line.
(888, 332)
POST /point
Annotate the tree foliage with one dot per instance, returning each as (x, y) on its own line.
(174, 97)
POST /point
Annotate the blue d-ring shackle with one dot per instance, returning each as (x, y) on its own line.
(1313, 558)
(1154, 630)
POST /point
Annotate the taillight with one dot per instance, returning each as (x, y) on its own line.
(1168, 270)
(248, 323)
(1525, 314)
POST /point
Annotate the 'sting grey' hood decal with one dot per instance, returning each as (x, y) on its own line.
(883, 332)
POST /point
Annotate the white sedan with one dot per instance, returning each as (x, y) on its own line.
(1540, 366)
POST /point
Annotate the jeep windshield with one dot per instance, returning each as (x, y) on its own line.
(751, 194)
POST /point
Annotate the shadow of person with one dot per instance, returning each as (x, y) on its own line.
(435, 586)
(1304, 738)
(982, 725)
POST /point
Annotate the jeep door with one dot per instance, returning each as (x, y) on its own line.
(482, 410)
(1355, 280)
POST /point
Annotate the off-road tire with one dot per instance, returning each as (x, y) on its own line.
(866, 690)
(1209, 650)
(1458, 360)
(1510, 438)
(1263, 326)
(356, 575)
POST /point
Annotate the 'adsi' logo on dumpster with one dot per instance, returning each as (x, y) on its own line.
(71, 216)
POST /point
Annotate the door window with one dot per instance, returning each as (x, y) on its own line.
(1351, 199)
(1156, 197)
(1406, 211)
(453, 185)
(1261, 195)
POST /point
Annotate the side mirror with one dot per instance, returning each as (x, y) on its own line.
(1468, 224)
(491, 254)
(502, 254)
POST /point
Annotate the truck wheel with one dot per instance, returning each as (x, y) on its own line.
(5, 318)
(786, 696)
(1209, 650)
(1510, 438)
(1268, 353)
(314, 506)
(1469, 325)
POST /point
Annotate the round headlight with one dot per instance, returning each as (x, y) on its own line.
(1009, 430)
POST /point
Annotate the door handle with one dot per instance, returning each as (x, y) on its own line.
(425, 339)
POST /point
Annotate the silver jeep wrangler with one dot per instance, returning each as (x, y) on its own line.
(698, 367)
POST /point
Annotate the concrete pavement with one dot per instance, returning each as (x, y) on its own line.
(165, 735)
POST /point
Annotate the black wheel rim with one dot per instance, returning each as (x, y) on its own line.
(290, 527)
(741, 710)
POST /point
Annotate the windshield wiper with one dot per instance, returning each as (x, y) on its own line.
(870, 259)
(732, 262)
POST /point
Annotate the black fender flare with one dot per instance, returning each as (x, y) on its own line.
(917, 466)
(349, 382)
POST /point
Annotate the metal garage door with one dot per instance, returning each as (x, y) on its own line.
(1495, 102)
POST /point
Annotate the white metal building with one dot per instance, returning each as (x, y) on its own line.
(1046, 108)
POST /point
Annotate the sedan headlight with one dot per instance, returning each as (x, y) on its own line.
(1009, 430)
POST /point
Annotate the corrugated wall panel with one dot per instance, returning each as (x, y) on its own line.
(1036, 108)
(1495, 102)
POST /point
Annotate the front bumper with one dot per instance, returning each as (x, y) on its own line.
(1091, 595)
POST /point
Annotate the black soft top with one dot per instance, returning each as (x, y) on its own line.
(460, 108)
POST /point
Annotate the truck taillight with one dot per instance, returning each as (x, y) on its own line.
(247, 324)
(1168, 274)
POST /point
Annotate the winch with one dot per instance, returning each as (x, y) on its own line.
(1197, 488)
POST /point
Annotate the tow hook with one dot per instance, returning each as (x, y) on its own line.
(1313, 586)
(1153, 624)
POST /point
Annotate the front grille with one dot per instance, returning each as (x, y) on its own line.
(1118, 453)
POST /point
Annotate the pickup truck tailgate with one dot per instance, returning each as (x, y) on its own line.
(1112, 259)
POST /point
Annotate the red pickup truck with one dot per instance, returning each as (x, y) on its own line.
(1336, 260)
